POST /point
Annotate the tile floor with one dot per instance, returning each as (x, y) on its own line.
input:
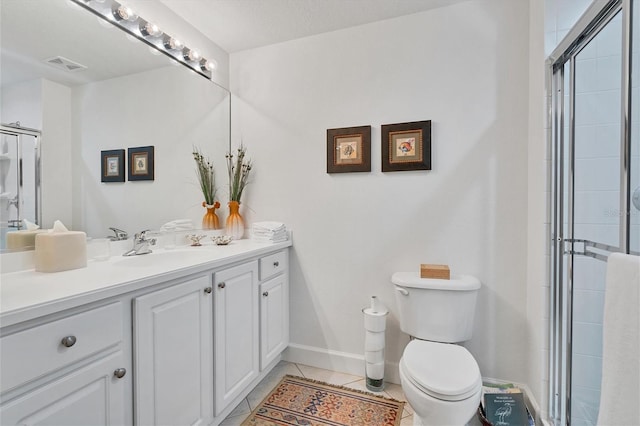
(242, 411)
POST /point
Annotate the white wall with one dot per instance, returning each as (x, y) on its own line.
(132, 111)
(465, 67)
(56, 153)
(22, 102)
(537, 283)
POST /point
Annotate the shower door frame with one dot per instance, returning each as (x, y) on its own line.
(562, 242)
(20, 132)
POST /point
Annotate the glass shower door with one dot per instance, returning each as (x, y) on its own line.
(634, 154)
(594, 206)
(19, 179)
(596, 140)
(9, 181)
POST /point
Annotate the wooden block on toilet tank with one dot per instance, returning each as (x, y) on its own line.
(434, 271)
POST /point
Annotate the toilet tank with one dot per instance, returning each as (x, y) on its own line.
(434, 309)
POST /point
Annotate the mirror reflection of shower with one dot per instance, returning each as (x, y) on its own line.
(19, 178)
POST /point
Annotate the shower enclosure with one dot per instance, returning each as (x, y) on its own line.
(595, 184)
(19, 178)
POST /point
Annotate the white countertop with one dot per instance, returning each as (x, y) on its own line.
(28, 294)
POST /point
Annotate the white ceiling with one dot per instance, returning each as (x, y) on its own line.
(237, 25)
(29, 36)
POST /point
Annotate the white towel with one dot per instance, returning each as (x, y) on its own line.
(620, 391)
(268, 226)
(269, 232)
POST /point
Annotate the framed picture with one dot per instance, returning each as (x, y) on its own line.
(349, 149)
(141, 163)
(112, 165)
(406, 146)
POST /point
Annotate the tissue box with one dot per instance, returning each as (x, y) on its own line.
(22, 239)
(435, 271)
(60, 251)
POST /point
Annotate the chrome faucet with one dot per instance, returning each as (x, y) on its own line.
(141, 244)
(119, 235)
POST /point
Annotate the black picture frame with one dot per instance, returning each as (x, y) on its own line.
(349, 149)
(112, 165)
(406, 146)
(141, 163)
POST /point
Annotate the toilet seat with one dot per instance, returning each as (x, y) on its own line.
(444, 371)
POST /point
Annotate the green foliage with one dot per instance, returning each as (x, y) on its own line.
(206, 176)
(238, 173)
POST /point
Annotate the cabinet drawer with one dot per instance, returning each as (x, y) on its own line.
(273, 264)
(35, 352)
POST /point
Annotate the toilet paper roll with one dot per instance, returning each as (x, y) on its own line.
(375, 371)
(374, 356)
(374, 321)
(373, 341)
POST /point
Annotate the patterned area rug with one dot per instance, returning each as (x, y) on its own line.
(298, 401)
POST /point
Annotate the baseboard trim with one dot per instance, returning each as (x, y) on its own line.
(343, 362)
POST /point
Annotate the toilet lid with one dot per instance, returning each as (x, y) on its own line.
(444, 371)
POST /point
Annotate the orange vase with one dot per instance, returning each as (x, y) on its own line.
(235, 222)
(210, 219)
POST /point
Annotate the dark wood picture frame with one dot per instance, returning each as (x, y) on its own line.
(349, 149)
(141, 163)
(112, 165)
(406, 146)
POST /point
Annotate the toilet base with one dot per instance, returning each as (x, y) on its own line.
(431, 411)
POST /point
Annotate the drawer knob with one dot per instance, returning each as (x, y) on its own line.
(222, 285)
(207, 290)
(120, 372)
(265, 294)
(69, 341)
(276, 264)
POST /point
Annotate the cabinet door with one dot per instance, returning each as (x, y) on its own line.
(236, 331)
(274, 318)
(91, 395)
(173, 355)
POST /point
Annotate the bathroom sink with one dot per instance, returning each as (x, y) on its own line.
(156, 258)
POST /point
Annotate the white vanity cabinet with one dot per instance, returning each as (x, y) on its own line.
(71, 370)
(236, 328)
(173, 354)
(135, 342)
(274, 307)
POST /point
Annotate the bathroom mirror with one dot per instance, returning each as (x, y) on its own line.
(89, 87)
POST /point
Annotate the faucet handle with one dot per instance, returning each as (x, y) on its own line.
(119, 234)
(142, 235)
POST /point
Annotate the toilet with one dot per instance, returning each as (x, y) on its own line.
(440, 379)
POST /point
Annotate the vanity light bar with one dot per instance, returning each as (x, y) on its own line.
(126, 19)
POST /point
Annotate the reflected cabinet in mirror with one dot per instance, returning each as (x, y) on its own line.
(88, 87)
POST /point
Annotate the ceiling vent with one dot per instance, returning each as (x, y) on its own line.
(65, 64)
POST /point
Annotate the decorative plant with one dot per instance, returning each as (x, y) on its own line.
(238, 173)
(206, 177)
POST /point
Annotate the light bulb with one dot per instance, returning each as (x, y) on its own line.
(124, 13)
(171, 43)
(149, 29)
(208, 65)
(190, 54)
